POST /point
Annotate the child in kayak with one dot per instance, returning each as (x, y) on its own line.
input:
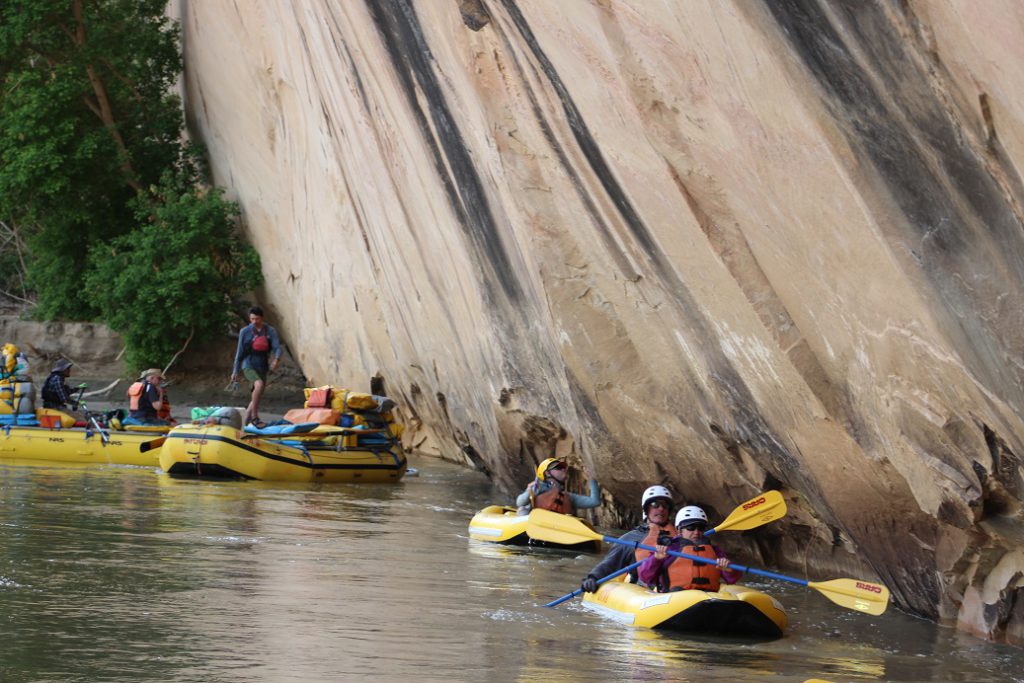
(666, 573)
(548, 492)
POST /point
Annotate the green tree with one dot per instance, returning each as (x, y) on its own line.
(96, 182)
(87, 119)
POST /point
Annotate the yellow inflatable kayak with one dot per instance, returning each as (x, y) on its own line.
(732, 611)
(78, 445)
(223, 451)
(498, 524)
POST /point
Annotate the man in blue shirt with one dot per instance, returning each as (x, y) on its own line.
(258, 353)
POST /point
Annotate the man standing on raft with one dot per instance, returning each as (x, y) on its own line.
(257, 341)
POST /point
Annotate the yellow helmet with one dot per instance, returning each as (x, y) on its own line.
(546, 465)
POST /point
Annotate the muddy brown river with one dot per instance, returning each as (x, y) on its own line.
(124, 574)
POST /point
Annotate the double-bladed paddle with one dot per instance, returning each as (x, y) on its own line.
(863, 596)
(759, 510)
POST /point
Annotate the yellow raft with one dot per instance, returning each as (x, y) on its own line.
(79, 445)
(225, 452)
(735, 611)
(498, 524)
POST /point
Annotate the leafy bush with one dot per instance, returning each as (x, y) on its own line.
(171, 278)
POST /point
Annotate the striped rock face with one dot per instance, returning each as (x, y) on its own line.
(722, 246)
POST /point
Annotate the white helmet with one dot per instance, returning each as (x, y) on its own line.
(690, 514)
(653, 492)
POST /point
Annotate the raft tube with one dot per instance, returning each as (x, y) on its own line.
(735, 611)
(216, 451)
(499, 524)
(78, 445)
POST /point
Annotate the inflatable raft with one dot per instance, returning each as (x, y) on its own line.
(327, 454)
(78, 445)
(498, 524)
(735, 611)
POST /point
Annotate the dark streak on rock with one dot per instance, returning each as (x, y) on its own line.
(751, 429)
(412, 60)
(582, 192)
(591, 150)
(962, 225)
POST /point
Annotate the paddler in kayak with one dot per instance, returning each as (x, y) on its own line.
(657, 505)
(666, 573)
(547, 491)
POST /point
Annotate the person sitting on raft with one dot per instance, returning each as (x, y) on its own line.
(667, 573)
(56, 393)
(547, 491)
(146, 400)
(657, 506)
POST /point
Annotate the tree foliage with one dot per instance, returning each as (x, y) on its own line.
(92, 163)
(166, 280)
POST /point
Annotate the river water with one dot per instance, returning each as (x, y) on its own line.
(124, 574)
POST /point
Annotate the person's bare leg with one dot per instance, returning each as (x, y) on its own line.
(252, 413)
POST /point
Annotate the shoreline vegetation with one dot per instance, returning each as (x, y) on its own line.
(106, 209)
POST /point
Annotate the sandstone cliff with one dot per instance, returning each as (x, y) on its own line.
(724, 246)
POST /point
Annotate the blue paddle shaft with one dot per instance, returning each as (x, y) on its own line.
(579, 591)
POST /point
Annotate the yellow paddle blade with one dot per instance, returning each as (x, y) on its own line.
(554, 527)
(871, 598)
(765, 508)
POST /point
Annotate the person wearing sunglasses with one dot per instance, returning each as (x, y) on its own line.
(547, 491)
(657, 506)
(667, 573)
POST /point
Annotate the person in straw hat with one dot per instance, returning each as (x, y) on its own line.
(146, 399)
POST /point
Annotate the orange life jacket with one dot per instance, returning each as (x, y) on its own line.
(134, 394)
(686, 574)
(556, 500)
(652, 539)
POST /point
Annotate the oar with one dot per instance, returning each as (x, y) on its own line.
(147, 446)
(871, 598)
(757, 511)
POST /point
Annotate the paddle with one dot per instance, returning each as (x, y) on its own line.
(757, 511)
(870, 598)
(147, 446)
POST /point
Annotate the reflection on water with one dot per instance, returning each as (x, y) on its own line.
(124, 574)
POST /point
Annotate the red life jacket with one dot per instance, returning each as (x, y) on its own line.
(165, 409)
(652, 539)
(686, 574)
(556, 500)
(260, 342)
(319, 398)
